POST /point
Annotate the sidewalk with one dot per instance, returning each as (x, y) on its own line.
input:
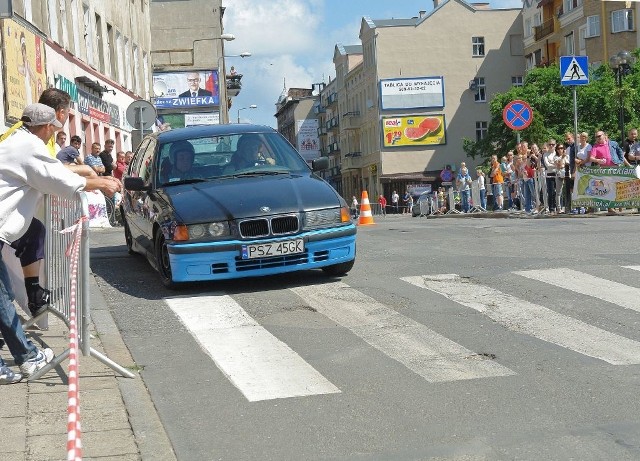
(118, 419)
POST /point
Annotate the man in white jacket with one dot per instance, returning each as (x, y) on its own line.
(27, 171)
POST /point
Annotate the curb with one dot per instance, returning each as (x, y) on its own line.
(150, 436)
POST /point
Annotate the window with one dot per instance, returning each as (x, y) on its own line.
(582, 43)
(111, 51)
(127, 63)
(73, 6)
(100, 43)
(478, 46)
(88, 35)
(145, 75)
(569, 45)
(516, 80)
(63, 18)
(569, 5)
(528, 28)
(53, 19)
(482, 128)
(120, 55)
(136, 70)
(28, 11)
(593, 26)
(481, 90)
(621, 21)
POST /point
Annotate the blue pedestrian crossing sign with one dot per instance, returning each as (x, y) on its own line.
(574, 70)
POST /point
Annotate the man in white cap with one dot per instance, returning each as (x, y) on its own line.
(27, 171)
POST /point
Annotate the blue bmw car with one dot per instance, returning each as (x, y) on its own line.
(229, 201)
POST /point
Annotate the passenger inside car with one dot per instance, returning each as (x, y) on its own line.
(250, 152)
(179, 165)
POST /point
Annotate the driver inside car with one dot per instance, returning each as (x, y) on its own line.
(180, 165)
(248, 154)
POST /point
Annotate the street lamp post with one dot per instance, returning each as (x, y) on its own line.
(621, 64)
(222, 78)
(252, 106)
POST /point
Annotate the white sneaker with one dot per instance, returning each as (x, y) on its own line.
(30, 367)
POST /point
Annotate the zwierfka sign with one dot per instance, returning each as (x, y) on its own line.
(412, 93)
(181, 90)
(308, 142)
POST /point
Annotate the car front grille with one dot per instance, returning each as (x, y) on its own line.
(265, 227)
(274, 261)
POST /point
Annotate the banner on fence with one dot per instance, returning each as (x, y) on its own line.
(607, 187)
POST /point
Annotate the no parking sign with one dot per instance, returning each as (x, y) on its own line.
(517, 115)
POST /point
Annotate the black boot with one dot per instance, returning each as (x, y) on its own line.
(38, 301)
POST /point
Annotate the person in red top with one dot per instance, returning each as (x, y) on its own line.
(383, 204)
(121, 165)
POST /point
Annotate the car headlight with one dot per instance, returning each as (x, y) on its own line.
(325, 218)
(214, 229)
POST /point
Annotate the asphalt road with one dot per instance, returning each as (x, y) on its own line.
(531, 351)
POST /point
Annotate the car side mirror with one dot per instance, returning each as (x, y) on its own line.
(321, 163)
(136, 184)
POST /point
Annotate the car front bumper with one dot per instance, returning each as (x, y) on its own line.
(192, 262)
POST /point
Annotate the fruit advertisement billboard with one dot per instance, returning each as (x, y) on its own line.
(413, 130)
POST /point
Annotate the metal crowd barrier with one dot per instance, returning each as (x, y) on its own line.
(60, 214)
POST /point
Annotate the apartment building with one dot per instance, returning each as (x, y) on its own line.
(192, 85)
(407, 95)
(594, 28)
(97, 51)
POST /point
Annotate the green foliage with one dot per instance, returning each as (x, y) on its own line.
(552, 104)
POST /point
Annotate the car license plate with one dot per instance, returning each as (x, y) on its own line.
(266, 250)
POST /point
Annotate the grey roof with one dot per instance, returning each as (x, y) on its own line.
(348, 49)
(395, 22)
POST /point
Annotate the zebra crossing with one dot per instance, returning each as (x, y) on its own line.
(262, 367)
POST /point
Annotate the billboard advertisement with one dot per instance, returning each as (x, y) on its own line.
(412, 93)
(308, 142)
(413, 130)
(181, 90)
(607, 187)
(25, 77)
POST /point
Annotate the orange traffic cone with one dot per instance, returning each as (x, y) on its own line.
(366, 218)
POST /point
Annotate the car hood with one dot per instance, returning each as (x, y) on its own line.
(244, 197)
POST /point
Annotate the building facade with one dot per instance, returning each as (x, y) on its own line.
(597, 29)
(404, 99)
(97, 51)
(192, 86)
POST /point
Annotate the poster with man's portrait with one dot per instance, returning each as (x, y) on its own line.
(174, 90)
(26, 79)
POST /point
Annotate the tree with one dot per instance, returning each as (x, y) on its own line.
(552, 104)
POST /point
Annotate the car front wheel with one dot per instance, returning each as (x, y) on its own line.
(163, 262)
(128, 237)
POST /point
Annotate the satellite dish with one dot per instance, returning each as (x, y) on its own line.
(160, 88)
(141, 114)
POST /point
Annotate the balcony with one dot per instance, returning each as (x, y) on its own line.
(319, 109)
(322, 130)
(234, 85)
(334, 147)
(544, 29)
(352, 161)
(332, 123)
(332, 99)
(351, 120)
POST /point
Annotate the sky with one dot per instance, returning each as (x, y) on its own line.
(294, 47)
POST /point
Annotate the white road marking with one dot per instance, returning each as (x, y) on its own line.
(260, 365)
(423, 351)
(635, 268)
(579, 282)
(534, 320)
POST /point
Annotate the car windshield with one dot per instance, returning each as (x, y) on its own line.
(228, 156)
